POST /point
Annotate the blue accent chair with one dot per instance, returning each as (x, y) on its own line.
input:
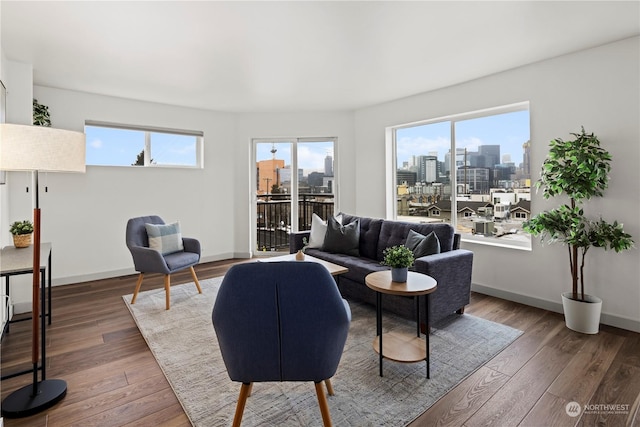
(281, 321)
(148, 260)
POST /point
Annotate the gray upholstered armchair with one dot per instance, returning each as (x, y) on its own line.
(281, 321)
(169, 251)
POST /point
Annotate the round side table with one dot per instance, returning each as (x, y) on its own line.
(397, 346)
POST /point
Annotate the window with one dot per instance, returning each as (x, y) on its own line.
(125, 145)
(471, 170)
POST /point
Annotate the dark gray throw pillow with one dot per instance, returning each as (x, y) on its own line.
(422, 245)
(342, 239)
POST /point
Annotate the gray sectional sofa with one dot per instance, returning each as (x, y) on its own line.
(451, 267)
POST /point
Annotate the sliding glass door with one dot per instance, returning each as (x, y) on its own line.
(293, 178)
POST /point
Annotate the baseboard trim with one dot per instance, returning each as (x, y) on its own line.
(556, 307)
(59, 281)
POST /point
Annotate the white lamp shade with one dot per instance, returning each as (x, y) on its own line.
(39, 148)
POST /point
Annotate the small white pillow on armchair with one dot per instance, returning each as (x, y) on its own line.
(165, 238)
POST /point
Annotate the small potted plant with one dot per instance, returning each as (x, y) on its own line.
(21, 231)
(579, 169)
(399, 258)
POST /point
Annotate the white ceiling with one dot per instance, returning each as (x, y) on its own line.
(294, 56)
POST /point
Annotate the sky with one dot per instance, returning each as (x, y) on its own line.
(106, 146)
(311, 155)
(509, 130)
(118, 147)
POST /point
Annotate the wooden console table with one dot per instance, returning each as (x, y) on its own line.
(17, 261)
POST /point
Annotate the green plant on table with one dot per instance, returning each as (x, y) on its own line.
(21, 227)
(397, 257)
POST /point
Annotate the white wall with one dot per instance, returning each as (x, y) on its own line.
(18, 80)
(598, 88)
(84, 215)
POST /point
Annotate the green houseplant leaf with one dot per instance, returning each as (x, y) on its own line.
(397, 257)
(41, 115)
(578, 169)
(21, 227)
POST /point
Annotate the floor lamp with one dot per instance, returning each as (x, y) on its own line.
(38, 149)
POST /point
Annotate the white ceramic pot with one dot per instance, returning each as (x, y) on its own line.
(399, 274)
(582, 316)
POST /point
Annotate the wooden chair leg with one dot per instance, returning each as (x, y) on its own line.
(250, 389)
(138, 284)
(324, 406)
(167, 290)
(327, 383)
(245, 391)
(195, 279)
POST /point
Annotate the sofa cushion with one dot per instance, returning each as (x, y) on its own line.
(342, 239)
(369, 234)
(422, 245)
(393, 233)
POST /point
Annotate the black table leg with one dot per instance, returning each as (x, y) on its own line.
(6, 303)
(43, 330)
(426, 304)
(49, 284)
(417, 301)
(379, 326)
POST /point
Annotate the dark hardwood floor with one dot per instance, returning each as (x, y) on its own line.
(113, 379)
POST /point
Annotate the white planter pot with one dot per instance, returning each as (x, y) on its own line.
(582, 316)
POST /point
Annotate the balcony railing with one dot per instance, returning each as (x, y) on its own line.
(274, 217)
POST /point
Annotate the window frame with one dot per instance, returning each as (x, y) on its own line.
(148, 130)
(391, 162)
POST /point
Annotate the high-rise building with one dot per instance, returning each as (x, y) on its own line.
(328, 165)
(405, 177)
(427, 168)
(526, 159)
(490, 155)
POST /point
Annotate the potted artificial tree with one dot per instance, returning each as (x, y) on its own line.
(399, 258)
(579, 169)
(21, 231)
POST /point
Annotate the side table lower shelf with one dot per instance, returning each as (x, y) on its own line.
(401, 347)
(397, 346)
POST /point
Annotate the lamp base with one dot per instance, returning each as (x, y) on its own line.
(22, 403)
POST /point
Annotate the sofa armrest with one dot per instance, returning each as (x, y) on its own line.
(452, 264)
(295, 240)
(452, 270)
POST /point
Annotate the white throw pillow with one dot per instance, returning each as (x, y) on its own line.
(318, 231)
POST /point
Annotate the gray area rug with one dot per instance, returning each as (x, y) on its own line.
(184, 344)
